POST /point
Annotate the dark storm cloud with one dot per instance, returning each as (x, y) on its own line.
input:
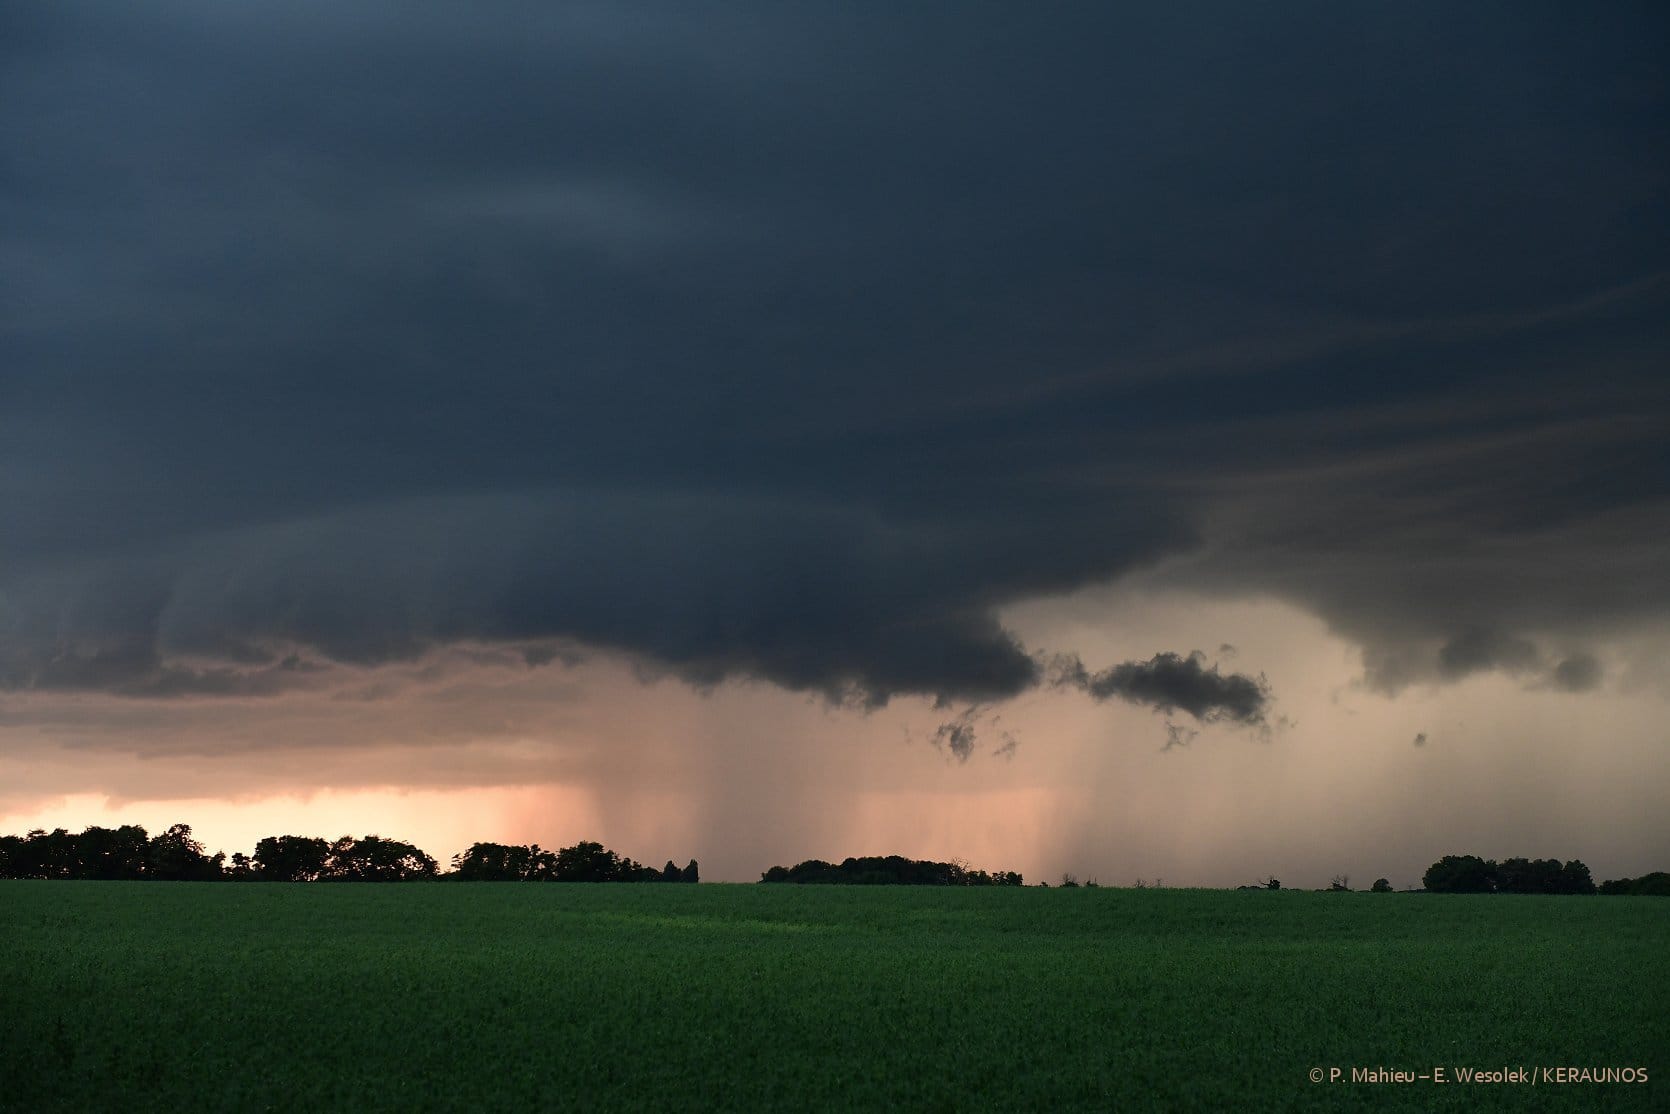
(823, 600)
(793, 344)
(1168, 682)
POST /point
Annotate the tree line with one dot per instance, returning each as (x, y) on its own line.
(889, 870)
(1469, 874)
(129, 853)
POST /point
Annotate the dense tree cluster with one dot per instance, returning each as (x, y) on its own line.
(1656, 884)
(129, 853)
(893, 870)
(1469, 874)
(584, 862)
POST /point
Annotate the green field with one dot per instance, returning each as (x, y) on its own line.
(548, 996)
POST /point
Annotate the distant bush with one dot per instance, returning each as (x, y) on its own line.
(1381, 886)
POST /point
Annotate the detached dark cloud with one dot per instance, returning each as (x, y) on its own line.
(1179, 736)
(1169, 682)
(796, 344)
(957, 735)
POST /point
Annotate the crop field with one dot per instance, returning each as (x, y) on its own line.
(549, 996)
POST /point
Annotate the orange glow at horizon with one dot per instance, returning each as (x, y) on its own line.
(440, 822)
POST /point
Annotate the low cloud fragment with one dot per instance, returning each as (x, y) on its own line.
(1179, 736)
(1170, 682)
(957, 735)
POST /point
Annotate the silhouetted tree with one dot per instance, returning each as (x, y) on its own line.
(49, 854)
(587, 862)
(1576, 879)
(375, 859)
(1381, 886)
(291, 859)
(498, 862)
(690, 873)
(174, 856)
(112, 853)
(1461, 874)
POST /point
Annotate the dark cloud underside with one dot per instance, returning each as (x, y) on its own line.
(794, 344)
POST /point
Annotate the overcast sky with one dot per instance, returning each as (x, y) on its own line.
(1198, 443)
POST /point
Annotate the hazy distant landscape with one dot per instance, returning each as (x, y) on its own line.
(512, 997)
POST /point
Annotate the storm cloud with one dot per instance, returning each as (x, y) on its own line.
(793, 345)
(1169, 682)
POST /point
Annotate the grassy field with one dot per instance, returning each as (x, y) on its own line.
(527, 997)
